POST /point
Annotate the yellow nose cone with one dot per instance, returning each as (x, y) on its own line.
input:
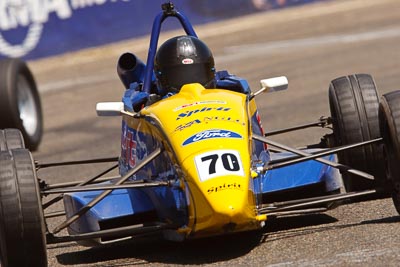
(229, 210)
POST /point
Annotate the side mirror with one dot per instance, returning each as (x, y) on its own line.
(110, 108)
(273, 85)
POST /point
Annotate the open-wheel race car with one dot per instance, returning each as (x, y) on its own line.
(196, 162)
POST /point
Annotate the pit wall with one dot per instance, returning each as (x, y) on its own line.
(33, 29)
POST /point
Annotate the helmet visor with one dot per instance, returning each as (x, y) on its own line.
(173, 78)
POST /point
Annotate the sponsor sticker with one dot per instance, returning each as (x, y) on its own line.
(218, 163)
(189, 113)
(221, 118)
(133, 146)
(209, 134)
(186, 125)
(224, 186)
(199, 103)
(187, 61)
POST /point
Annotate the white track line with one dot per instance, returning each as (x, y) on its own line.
(70, 83)
(234, 53)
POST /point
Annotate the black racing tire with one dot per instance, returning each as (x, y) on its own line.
(20, 105)
(354, 105)
(11, 139)
(389, 124)
(22, 230)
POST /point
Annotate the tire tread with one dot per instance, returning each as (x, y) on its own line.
(22, 225)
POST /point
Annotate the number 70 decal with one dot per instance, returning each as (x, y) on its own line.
(218, 163)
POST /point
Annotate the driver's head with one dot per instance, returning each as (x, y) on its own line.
(182, 60)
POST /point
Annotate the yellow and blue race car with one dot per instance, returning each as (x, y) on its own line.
(195, 162)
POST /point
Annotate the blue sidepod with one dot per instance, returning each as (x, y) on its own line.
(299, 175)
(125, 207)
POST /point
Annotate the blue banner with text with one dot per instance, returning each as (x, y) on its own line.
(39, 28)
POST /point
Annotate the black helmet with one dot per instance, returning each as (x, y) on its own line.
(181, 60)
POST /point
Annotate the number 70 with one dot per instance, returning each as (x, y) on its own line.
(229, 162)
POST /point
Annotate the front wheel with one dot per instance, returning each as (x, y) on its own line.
(354, 106)
(11, 139)
(22, 230)
(20, 106)
(389, 124)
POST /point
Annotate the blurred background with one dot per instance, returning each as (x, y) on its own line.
(36, 29)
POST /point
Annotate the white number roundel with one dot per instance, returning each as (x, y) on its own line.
(218, 163)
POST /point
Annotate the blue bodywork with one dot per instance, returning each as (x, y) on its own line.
(301, 174)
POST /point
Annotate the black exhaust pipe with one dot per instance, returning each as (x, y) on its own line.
(130, 69)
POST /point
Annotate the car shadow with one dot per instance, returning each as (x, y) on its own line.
(201, 251)
(393, 219)
(284, 228)
(147, 250)
(155, 249)
(298, 221)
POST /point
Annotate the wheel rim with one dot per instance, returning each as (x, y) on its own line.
(26, 106)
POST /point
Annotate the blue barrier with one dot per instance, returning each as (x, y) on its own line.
(39, 28)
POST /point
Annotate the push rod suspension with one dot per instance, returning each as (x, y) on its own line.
(324, 153)
(105, 193)
(79, 183)
(323, 122)
(317, 201)
(106, 187)
(74, 162)
(88, 181)
(137, 229)
(337, 165)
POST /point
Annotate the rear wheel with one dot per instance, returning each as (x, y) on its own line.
(354, 104)
(11, 139)
(389, 120)
(22, 231)
(19, 101)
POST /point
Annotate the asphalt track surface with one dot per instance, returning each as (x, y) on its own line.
(311, 45)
